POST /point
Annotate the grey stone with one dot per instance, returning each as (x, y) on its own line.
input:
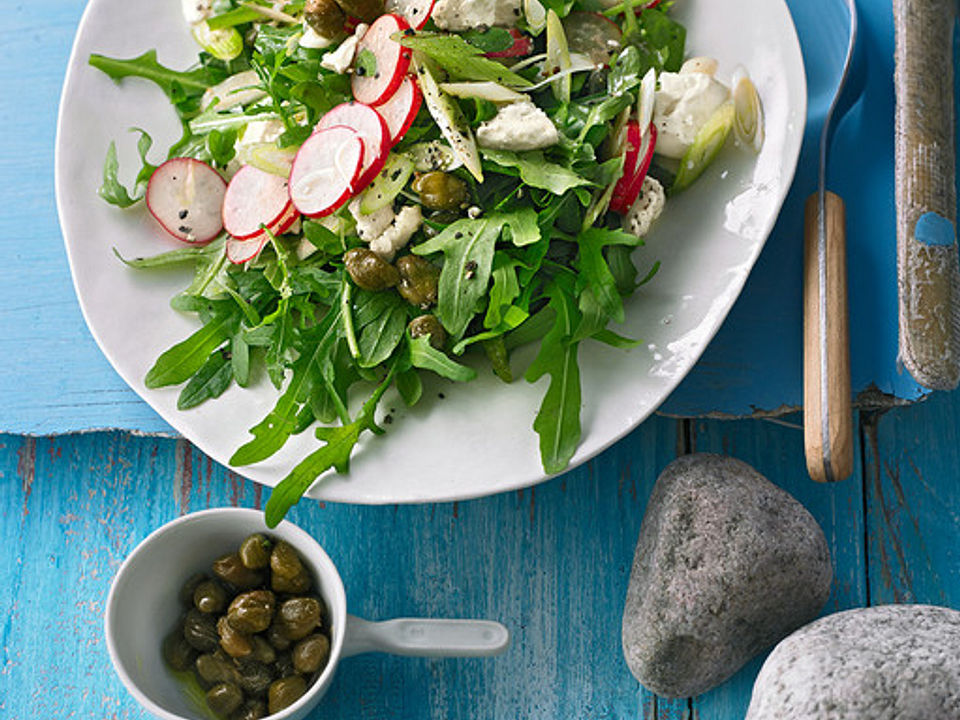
(892, 662)
(726, 564)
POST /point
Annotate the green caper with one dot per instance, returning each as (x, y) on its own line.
(419, 279)
(285, 692)
(234, 643)
(255, 677)
(369, 271)
(277, 636)
(440, 190)
(300, 616)
(428, 325)
(178, 653)
(231, 569)
(251, 612)
(263, 651)
(310, 655)
(224, 698)
(366, 10)
(325, 17)
(284, 560)
(216, 668)
(200, 630)
(296, 585)
(188, 588)
(251, 710)
(255, 552)
(210, 597)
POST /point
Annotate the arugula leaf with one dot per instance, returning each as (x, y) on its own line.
(625, 73)
(112, 190)
(270, 434)
(175, 84)
(191, 253)
(232, 18)
(558, 420)
(425, 356)
(460, 59)
(365, 63)
(513, 317)
(595, 270)
(521, 225)
(186, 357)
(504, 290)
(222, 146)
(339, 444)
(662, 39)
(410, 386)
(240, 360)
(467, 245)
(535, 170)
(210, 381)
(381, 319)
(495, 39)
(496, 352)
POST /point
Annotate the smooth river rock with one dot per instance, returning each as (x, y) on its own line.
(892, 662)
(726, 564)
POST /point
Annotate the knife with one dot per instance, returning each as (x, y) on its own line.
(927, 273)
(827, 409)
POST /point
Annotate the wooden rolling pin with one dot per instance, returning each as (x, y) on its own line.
(927, 272)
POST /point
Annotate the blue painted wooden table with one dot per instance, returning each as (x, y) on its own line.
(551, 562)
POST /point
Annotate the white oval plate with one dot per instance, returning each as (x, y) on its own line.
(477, 438)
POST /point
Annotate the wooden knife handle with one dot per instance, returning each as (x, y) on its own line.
(827, 409)
(927, 271)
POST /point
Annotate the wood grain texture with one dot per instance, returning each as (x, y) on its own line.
(827, 408)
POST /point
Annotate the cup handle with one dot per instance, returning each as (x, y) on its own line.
(418, 637)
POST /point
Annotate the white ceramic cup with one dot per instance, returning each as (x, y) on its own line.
(142, 607)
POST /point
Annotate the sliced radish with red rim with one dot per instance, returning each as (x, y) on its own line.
(640, 146)
(325, 171)
(254, 198)
(401, 109)
(522, 46)
(185, 197)
(371, 128)
(240, 250)
(415, 12)
(381, 62)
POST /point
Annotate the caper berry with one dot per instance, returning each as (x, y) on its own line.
(296, 585)
(251, 710)
(255, 677)
(234, 643)
(224, 698)
(440, 190)
(200, 630)
(231, 569)
(178, 653)
(366, 10)
(216, 668)
(299, 616)
(311, 654)
(210, 597)
(188, 588)
(255, 552)
(419, 279)
(423, 325)
(251, 612)
(325, 17)
(277, 636)
(285, 692)
(263, 651)
(283, 667)
(369, 271)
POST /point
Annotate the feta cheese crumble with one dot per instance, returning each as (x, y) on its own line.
(518, 126)
(383, 230)
(684, 102)
(646, 209)
(460, 15)
(339, 60)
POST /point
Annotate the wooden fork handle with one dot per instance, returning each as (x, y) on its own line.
(827, 406)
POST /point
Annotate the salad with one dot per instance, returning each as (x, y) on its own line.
(368, 191)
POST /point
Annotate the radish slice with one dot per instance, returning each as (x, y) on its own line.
(415, 12)
(371, 128)
(185, 196)
(381, 62)
(254, 198)
(325, 171)
(241, 250)
(401, 109)
(522, 46)
(641, 147)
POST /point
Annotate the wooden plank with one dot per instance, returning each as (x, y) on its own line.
(776, 450)
(913, 503)
(551, 562)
